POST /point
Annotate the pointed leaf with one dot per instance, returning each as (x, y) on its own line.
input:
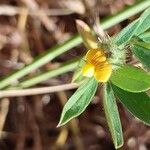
(137, 103)
(112, 115)
(78, 101)
(144, 22)
(127, 33)
(131, 79)
(143, 54)
(135, 28)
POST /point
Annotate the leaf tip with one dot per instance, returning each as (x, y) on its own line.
(60, 124)
(119, 146)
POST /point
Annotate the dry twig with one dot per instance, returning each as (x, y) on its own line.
(36, 91)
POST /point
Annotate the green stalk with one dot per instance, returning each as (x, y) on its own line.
(41, 60)
(128, 12)
(74, 41)
(67, 66)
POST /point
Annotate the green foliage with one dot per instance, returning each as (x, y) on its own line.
(140, 43)
(137, 103)
(143, 54)
(128, 82)
(78, 101)
(41, 60)
(127, 33)
(145, 37)
(75, 40)
(112, 115)
(131, 79)
(144, 22)
(134, 29)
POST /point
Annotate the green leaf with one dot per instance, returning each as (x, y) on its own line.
(127, 33)
(141, 43)
(86, 34)
(145, 37)
(135, 28)
(112, 115)
(137, 103)
(143, 54)
(131, 79)
(78, 101)
(144, 22)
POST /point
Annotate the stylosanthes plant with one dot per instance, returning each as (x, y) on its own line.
(105, 63)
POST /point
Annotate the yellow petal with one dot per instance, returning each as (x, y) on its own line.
(95, 55)
(103, 73)
(97, 62)
(88, 70)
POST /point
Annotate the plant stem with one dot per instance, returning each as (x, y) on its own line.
(74, 41)
(68, 66)
(128, 12)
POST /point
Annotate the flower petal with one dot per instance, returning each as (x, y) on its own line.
(94, 54)
(103, 73)
(88, 70)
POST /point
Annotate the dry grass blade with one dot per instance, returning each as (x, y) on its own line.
(36, 91)
(12, 10)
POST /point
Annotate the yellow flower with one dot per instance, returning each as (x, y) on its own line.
(97, 65)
